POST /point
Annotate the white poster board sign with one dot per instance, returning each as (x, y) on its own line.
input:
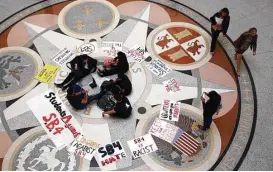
(110, 49)
(142, 146)
(170, 110)
(111, 153)
(63, 56)
(84, 148)
(171, 85)
(158, 68)
(61, 127)
(88, 48)
(137, 53)
(163, 130)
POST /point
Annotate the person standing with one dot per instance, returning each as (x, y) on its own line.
(210, 107)
(219, 24)
(247, 39)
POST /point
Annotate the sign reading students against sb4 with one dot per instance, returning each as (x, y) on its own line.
(170, 110)
(84, 148)
(110, 153)
(142, 146)
(61, 127)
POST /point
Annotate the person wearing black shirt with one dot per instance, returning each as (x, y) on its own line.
(219, 23)
(122, 66)
(122, 108)
(210, 107)
(80, 66)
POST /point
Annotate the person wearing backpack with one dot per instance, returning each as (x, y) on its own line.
(80, 66)
(210, 107)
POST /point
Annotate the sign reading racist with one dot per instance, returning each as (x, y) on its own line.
(84, 148)
(142, 146)
(110, 153)
(47, 73)
(57, 121)
(137, 53)
(88, 48)
(170, 110)
(63, 56)
(158, 68)
(171, 85)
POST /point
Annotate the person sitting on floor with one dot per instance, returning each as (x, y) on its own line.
(121, 66)
(80, 66)
(121, 109)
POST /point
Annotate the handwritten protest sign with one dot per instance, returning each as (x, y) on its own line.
(171, 85)
(137, 53)
(163, 130)
(158, 68)
(88, 48)
(84, 148)
(47, 73)
(110, 153)
(170, 110)
(61, 127)
(110, 49)
(142, 146)
(63, 56)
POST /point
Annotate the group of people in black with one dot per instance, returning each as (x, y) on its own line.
(112, 96)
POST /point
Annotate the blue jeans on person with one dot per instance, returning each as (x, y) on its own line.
(207, 123)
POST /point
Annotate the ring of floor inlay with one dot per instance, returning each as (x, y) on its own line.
(114, 21)
(25, 145)
(36, 59)
(206, 164)
(153, 37)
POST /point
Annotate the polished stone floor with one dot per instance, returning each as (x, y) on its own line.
(33, 31)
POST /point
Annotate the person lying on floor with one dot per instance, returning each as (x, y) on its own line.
(121, 65)
(122, 81)
(121, 109)
(80, 66)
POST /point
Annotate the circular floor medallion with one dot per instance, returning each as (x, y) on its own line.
(182, 46)
(18, 67)
(86, 19)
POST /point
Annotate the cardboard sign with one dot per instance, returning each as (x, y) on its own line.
(57, 121)
(142, 146)
(158, 68)
(84, 148)
(110, 153)
(163, 130)
(171, 85)
(137, 53)
(110, 49)
(170, 110)
(47, 73)
(63, 56)
(88, 48)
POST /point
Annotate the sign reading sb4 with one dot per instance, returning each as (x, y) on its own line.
(111, 152)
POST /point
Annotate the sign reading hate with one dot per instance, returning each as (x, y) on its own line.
(163, 130)
(170, 110)
(63, 56)
(88, 48)
(158, 68)
(110, 153)
(57, 121)
(84, 148)
(137, 53)
(142, 146)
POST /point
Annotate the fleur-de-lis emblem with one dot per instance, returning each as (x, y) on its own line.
(79, 25)
(100, 22)
(86, 10)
